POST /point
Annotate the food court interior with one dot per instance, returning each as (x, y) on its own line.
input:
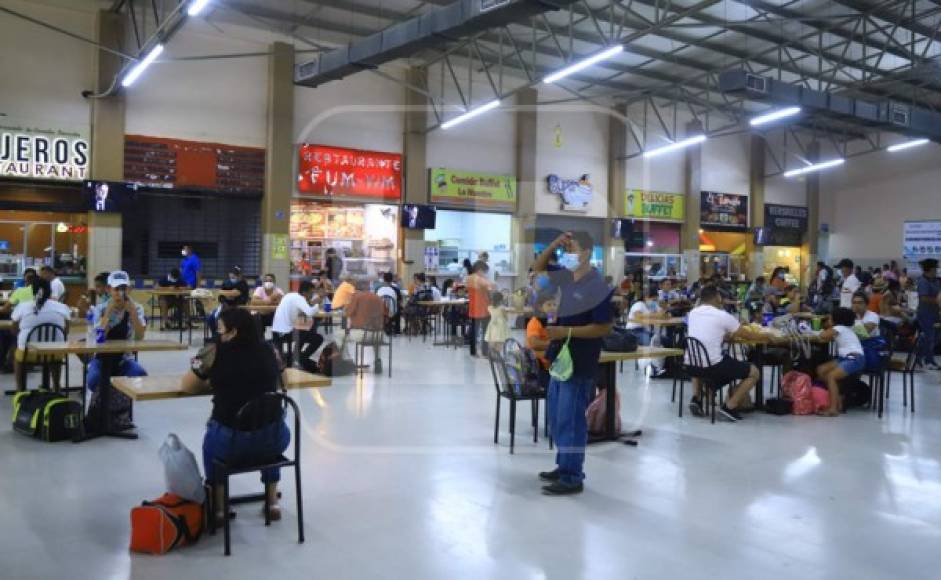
(403, 172)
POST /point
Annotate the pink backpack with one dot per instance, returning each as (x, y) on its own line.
(595, 413)
(821, 397)
(797, 387)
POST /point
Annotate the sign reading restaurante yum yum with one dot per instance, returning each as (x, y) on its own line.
(42, 154)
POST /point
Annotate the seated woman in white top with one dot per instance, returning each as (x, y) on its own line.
(866, 324)
(849, 360)
(43, 309)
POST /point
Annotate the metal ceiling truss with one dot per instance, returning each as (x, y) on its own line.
(147, 18)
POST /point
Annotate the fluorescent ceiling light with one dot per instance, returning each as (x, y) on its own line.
(141, 66)
(471, 114)
(197, 6)
(814, 167)
(583, 64)
(774, 116)
(676, 145)
(907, 145)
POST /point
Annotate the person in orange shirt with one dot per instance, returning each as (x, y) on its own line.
(343, 293)
(537, 338)
(479, 288)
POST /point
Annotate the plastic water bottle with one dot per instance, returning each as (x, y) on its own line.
(327, 306)
(90, 328)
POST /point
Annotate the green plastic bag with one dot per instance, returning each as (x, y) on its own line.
(563, 367)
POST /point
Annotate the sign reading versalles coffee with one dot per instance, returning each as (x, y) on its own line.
(727, 211)
(338, 172)
(472, 190)
(39, 154)
(786, 217)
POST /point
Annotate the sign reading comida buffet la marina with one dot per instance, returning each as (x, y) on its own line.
(575, 194)
(467, 189)
(351, 173)
(32, 153)
(728, 211)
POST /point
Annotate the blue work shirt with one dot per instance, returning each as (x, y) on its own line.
(581, 302)
(928, 287)
(190, 268)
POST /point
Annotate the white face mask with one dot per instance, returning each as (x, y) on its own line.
(269, 285)
(183, 253)
(233, 279)
(569, 261)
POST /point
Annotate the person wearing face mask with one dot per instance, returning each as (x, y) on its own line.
(585, 316)
(234, 293)
(238, 370)
(174, 279)
(190, 267)
(268, 294)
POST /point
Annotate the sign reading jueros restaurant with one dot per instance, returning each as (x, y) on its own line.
(34, 154)
(351, 173)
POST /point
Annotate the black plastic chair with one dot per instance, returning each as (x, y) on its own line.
(905, 368)
(505, 390)
(698, 363)
(42, 333)
(254, 415)
(877, 378)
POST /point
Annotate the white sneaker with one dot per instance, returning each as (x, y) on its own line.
(933, 366)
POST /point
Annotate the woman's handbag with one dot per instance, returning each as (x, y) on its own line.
(563, 367)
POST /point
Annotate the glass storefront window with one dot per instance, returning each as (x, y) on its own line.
(38, 238)
(463, 235)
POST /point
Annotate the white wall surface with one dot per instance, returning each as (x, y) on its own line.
(873, 195)
(725, 162)
(785, 190)
(219, 100)
(42, 72)
(363, 111)
(486, 144)
(584, 149)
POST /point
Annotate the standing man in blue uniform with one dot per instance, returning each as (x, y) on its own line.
(585, 315)
(191, 267)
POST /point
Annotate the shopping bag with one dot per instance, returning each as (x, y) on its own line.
(181, 470)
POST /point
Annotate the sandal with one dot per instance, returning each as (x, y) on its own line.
(274, 512)
(828, 413)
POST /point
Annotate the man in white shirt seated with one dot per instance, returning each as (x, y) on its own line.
(712, 326)
(292, 307)
(850, 284)
(58, 288)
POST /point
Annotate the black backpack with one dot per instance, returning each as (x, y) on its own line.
(855, 393)
(46, 415)
(332, 363)
(620, 340)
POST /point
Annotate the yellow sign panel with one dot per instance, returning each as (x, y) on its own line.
(279, 247)
(655, 205)
(473, 190)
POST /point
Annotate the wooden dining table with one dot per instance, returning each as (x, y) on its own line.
(113, 347)
(162, 387)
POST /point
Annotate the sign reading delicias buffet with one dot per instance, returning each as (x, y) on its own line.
(654, 205)
(352, 173)
(42, 154)
(472, 190)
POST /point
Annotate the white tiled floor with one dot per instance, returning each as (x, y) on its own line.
(401, 479)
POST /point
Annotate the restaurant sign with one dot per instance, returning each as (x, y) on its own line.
(654, 205)
(723, 211)
(472, 190)
(350, 173)
(32, 153)
(575, 194)
(786, 217)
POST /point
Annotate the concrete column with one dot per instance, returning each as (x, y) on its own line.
(810, 247)
(756, 199)
(107, 145)
(523, 235)
(412, 242)
(692, 172)
(617, 178)
(279, 164)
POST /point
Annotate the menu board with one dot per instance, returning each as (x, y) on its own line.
(309, 221)
(727, 211)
